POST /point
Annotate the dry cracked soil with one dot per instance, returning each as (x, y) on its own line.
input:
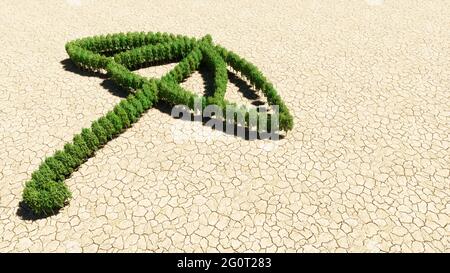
(366, 167)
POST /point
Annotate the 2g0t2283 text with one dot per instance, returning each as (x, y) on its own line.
(223, 262)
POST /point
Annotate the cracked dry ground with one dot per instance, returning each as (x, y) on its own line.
(366, 167)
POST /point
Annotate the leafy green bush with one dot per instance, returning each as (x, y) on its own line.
(215, 62)
(122, 76)
(75, 152)
(45, 198)
(143, 99)
(123, 116)
(150, 90)
(90, 139)
(107, 126)
(99, 132)
(67, 160)
(175, 94)
(115, 120)
(130, 110)
(186, 66)
(136, 104)
(43, 173)
(82, 146)
(57, 167)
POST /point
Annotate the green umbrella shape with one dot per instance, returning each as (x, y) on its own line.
(118, 54)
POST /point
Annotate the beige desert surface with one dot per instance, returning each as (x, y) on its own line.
(365, 169)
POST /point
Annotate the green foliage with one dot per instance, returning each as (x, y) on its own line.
(67, 160)
(123, 116)
(99, 132)
(186, 66)
(130, 110)
(47, 197)
(107, 126)
(57, 167)
(115, 120)
(122, 76)
(175, 94)
(75, 153)
(169, 49)
(86, 58)
(143, 99)
(82, 146)
(43, 174)
(215, 62)
(286, 121)
(256, 78)
(137, 105)
(150, 90)
(90, 139)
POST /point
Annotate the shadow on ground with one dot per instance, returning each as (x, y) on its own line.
(68, 65)
(25, 213)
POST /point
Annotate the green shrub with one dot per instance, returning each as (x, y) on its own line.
(145, 102)
(215, 62)
(186, 66)
(107, 126)
(150, 90)
(90, 139)
(174, 93)
(136, 104)
(57, 167)
(101, 134)
(130, 110)
(45, 198)
(115, 120)
(122, 114)
(75, 152)
(286, 121)
(67, 160)
(43, 174)
(84, 150)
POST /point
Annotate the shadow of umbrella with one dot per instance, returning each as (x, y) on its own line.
(25, 213)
